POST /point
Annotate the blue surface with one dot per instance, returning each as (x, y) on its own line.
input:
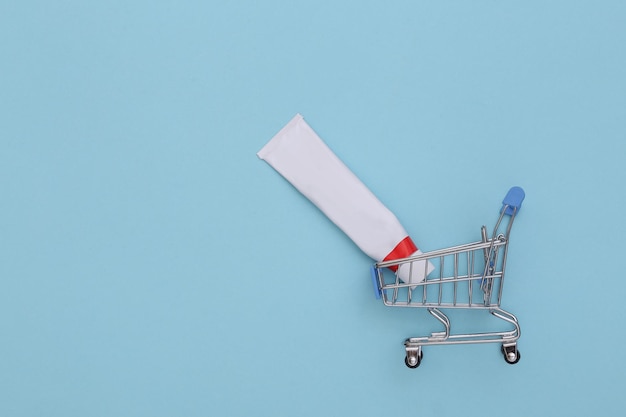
(150, 264)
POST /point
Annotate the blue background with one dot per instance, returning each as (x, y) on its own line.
(152, 265)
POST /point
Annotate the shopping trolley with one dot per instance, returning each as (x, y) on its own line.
(469, 276)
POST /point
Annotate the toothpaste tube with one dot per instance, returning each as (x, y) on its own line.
(302, 158)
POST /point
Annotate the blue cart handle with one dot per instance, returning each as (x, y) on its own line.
(512, 202)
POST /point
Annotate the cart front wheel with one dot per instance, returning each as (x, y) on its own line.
(413, 359)
(511, 354)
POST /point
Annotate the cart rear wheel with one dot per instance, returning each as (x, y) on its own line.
(414, 360)
(511, 354)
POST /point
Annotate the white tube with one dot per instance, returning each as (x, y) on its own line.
(300, 156)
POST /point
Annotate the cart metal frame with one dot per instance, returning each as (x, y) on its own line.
(469, 276)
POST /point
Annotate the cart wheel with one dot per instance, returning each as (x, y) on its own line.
(511, 354)
(413, 361)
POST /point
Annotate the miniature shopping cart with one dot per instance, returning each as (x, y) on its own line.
(469, 276)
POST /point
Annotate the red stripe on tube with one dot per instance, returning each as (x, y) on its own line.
(404, 249)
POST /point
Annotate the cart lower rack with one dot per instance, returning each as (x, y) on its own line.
(469, 276)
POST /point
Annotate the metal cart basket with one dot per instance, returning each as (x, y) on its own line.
(469, 276)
